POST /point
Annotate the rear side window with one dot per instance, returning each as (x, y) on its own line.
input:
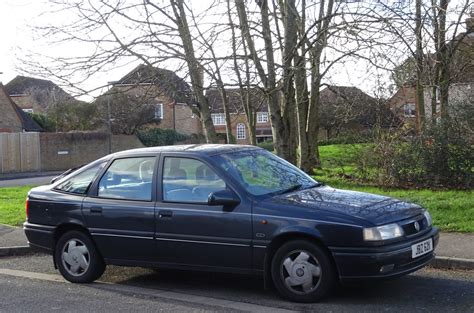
(80, 183)
(128, 179)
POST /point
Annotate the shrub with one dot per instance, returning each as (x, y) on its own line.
(438, 158)
(267, 145)
(160, 137)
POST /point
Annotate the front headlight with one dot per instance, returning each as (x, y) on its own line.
(384, 232)
(429, 220)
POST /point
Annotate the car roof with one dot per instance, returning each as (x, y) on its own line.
(203, 149)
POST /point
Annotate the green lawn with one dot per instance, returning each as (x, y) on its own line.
(12, 205)
(452, 210)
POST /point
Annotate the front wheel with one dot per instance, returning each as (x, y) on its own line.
(77, 258)
(302, 271)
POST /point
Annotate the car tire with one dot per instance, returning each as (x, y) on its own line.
(77, 258)
(302, 271)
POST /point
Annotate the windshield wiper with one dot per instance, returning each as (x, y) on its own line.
(290, 189)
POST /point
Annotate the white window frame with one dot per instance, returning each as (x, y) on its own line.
(159, 116)
(405, 110)
(218, 119)
(262, 117)
(241, 131)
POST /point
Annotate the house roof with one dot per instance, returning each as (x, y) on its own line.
(350, 104)
(28, 124)
(43, 91)
(23, 84)
(169, 83)
(257, 99)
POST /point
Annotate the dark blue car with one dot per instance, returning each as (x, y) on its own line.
(226, 208)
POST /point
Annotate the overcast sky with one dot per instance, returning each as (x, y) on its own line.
(17, 37)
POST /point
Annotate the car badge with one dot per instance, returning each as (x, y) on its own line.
(417, 226)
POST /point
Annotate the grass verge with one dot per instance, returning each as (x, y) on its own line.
(12, 205)
(452, 210)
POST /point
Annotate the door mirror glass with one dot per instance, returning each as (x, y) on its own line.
(226, 197)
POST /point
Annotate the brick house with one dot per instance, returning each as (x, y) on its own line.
(13, 119)
(461, 89)
(35, 95)
(237, 114)
(167, 92)
(348, 111)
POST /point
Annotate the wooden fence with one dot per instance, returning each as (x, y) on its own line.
(20, 152)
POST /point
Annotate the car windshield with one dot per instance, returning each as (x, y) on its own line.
(262, 173)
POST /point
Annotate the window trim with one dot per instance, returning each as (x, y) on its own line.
(405, 111)
(161, 197)
(260, 116)
(243, 129)
(159, 104)
(221, 117)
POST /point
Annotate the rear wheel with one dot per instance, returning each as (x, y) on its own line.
(302, 271)
(77, 258)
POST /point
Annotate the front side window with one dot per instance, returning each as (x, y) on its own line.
(80, 183)
(218, 118)
(128, 179)
(262, 173)
(241, 131)
(189, 180)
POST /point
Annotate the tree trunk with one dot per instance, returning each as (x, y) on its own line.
(280, 137)
(194, 70)
(244, 96)
(420, 99)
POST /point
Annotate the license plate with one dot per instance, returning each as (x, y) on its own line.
(421, 248)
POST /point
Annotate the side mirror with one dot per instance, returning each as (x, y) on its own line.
(225, 197)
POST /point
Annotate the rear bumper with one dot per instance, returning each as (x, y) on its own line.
(40, 237)
(366, 263)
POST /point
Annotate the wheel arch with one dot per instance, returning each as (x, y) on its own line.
(63, 228)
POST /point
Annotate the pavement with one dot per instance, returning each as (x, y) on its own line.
(24, 179)
(454, 251)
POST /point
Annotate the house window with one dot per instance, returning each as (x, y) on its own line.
(262, 117)
(409, 110)
(438, 95)
(159, 111)
(241, 131)
(218, 118)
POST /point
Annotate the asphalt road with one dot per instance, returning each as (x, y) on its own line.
(32, 284)
(36, 181)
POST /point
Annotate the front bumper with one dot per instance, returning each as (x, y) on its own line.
(366, 263)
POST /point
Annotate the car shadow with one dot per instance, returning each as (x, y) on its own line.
(416, 292)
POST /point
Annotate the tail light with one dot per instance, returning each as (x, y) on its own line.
(26, 208)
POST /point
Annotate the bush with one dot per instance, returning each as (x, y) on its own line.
(160, 137)
(438, 158)
(267, 145)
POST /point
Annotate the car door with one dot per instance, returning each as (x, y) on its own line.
(119, 211)
(188, 230)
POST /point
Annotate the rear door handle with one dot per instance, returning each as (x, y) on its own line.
(96, 210)
(165, 213)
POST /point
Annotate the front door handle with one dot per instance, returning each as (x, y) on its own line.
(96, 210)
(165, 213)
